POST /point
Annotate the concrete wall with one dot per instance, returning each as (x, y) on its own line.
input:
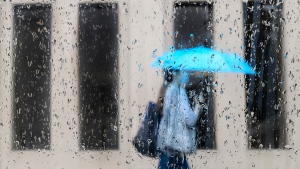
(149, 24)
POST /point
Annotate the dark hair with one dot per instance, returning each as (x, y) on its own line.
(168, 74)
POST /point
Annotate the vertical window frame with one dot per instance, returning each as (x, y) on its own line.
(16, 145)
(208, 125)
(254, 115)
(111, 5)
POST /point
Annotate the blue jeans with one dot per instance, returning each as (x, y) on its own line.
(173, 162)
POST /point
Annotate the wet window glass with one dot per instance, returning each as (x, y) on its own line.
(193, 28)
(149, 84)
(32, 76)
(98, 76)
(265, 113)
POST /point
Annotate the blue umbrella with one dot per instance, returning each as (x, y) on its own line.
(203, 59)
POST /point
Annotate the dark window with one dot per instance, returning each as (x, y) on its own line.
(98, 76)
(32, 76)
(262, 50)
(192, 28)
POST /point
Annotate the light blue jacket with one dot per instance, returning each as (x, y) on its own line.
(176, 130)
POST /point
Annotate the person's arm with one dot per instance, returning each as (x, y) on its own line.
(199, 103)
(190, 115)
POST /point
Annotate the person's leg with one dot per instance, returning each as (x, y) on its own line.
(185, 163)
(163, 161)
(178, 162)
(173, 162)
(170, 161)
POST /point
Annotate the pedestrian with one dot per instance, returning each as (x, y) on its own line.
(177, 133)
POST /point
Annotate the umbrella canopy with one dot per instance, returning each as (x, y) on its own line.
(203, 59)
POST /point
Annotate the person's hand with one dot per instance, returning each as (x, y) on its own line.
(200, 98)
(199, 103)
(197, 107)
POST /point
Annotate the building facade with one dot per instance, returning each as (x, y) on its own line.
(76, 79)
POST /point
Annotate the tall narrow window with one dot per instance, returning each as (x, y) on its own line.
(262, 50)
(31, 71)
(192, 28)
(98, 76)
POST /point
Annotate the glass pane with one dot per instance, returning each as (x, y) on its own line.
(262, 50)
(98, 76)
(192, 24)
(32, 75)
(192, 27)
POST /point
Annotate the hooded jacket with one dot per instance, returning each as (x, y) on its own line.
(176, 131)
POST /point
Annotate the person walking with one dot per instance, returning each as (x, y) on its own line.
(177, 133)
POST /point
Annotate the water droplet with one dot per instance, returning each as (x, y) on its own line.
(221, 35)
(134, 41)
(115, 128)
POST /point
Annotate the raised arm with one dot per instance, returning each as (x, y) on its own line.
(184, 107)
